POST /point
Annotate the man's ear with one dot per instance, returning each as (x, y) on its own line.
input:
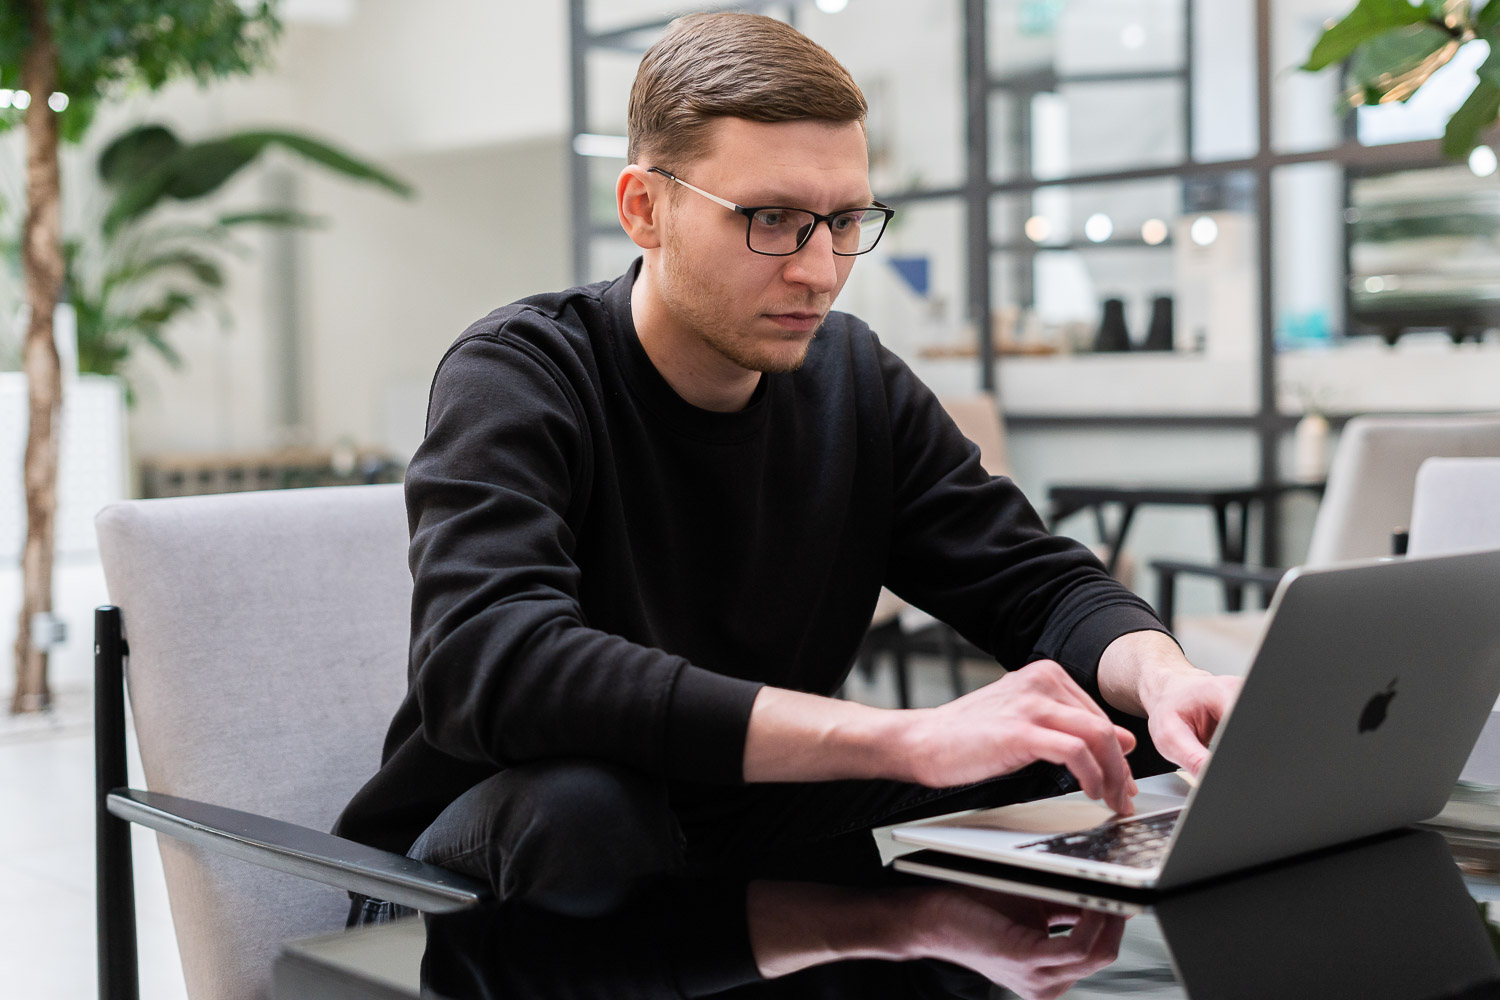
(640, 203)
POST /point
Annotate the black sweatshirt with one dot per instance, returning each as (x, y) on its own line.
(603, 570)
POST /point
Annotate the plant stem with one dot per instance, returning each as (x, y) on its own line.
(42, 261)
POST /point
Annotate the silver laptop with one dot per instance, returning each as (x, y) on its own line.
(1369, 689)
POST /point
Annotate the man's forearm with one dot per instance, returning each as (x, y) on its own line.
(1038, 713)
(795, 736)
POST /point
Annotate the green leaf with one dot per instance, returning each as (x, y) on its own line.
(334, 159)
(1489, 70)
(133, 154)
(135, 200)
(1385, 61)
(74, 121)
(274, 217)
(152, 334)
(1368, 20)
(1477, 114)
(203, 269)
(199, 169)
(1488, 20)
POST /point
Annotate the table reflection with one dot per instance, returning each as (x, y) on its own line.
(1388, 918)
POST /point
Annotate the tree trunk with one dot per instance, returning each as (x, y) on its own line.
(42, 260)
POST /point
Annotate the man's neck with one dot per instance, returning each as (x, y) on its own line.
(694, 370)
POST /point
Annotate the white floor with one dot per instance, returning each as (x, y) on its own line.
(47, 864)
(47, 925)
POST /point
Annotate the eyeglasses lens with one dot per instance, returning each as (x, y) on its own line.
(784, 230)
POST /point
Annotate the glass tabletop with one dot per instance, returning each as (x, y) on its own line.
(1407, 914)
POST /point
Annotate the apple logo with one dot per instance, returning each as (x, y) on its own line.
(1374, 713)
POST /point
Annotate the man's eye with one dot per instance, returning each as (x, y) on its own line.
(844, 223)
(770, 218)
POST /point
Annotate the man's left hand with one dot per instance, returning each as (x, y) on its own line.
(1183, 713)
(1145, 673)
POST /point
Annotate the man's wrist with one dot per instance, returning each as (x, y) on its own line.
(1136, 667)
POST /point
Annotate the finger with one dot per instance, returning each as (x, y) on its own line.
(1071, 752)
(1094, 934)
(1176, 741)
(1050, 678)
(1103, 742)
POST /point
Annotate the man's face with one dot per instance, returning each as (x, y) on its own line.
(756, 311)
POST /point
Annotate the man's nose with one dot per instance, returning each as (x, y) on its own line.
(816, 265)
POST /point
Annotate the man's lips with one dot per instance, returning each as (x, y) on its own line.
(797, 319)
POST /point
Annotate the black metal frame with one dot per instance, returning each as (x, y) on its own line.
(1234, 575)
(269, 843)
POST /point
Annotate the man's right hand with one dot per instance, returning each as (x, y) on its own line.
(1032, 714)
(1036, 713)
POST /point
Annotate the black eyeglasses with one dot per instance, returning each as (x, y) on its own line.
(778, 231)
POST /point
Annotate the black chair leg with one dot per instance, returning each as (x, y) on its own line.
(119, 977)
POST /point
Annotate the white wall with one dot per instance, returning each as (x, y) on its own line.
(394, 283)
(465, 99)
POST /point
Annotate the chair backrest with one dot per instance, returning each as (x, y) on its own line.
(978, 417)
(1456, 507)
(1374, 471)
(268, 646)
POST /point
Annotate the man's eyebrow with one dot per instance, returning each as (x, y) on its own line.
(782, 200)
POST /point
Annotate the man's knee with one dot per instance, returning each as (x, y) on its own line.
(586, 803)
(572, 835)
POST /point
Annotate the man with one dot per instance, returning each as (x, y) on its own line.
(651, 517)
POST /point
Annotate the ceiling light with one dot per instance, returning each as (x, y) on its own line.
(1099, 227)
(1203, 231)
(1154, 232)
(1038, 228)
(1482, 161)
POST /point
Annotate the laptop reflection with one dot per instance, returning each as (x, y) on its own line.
(1385, 918)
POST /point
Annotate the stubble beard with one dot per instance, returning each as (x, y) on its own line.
(698, 304)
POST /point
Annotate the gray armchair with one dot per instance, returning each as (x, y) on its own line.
(265, 636)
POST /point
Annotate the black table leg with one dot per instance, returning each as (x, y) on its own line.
(1115, 544)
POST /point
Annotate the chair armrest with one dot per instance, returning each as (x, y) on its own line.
(1228, 572)
(298, 850)
(1167, 571)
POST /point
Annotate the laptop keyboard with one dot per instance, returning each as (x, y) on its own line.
(1136, 843)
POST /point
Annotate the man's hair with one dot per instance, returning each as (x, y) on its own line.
(729, 65)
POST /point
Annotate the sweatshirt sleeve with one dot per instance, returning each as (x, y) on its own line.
(505, 668)
(970, 549)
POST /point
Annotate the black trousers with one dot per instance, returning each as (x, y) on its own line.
(574, 836)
